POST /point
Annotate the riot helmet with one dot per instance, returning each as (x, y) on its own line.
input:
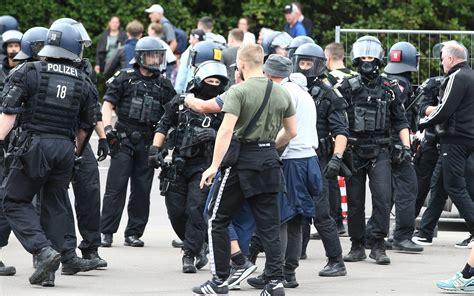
(32, 42)
(272, 40)
(297, 42)
(11, 36)
(438, 48)
(203, 85)
(150, 54)
(367, 46)
(86, 40)
(64, 42)
(309, 59)
(8, 22)
(204, 51)
(403, 57)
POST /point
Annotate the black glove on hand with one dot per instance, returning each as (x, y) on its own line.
(112, 139)
(102, 149)
(332, 168)
(156, 157)
(204, 135)
(406, 154)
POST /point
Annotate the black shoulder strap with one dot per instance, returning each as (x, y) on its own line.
(251, 125)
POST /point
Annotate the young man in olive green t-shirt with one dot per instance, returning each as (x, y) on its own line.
(257, 175)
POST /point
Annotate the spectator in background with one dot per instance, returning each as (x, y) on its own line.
(244, 26)
(156, 15)
(125, 53)
(207, 24)
(185, 73)
(293, 26)
(155, 30)
(307, 23)
(229, 55)
(110, 40)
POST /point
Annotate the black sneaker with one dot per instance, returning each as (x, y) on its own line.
(49, 281)
(211, 288)
(421, 240)
(407, 245)
(334, 268)
(238, 273)
(273, 288)
(76, 264)
(6, 270)
(357, 253)
(188, 262)
(258, 282)
(107, 239)
(290, 282)
(48, 260)
(201, 258)
(95, 255)
(468, 243)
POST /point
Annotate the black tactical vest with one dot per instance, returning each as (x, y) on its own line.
(55, 106)
(141, 104)
(368, 112)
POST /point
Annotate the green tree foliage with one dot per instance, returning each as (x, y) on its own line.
(326, 14)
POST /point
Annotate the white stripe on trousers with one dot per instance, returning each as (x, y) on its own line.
(213, 217)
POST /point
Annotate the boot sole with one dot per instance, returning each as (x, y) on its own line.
(401, 249)
(76, 270)
(48, 284)
(340, 273)
(189, 270)
(134, 245)
(39, 276)
(355, 259)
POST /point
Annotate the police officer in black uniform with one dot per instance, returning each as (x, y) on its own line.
(332, 127)
(191, 135)
(11, 46)
(86, 181)
(137, 95)
(374, 110)
(402, 61)
(44, 151)
(276, 42)
(7, 22)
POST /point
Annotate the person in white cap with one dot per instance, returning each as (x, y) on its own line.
(156, 15)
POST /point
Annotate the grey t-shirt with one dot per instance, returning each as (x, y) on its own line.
(168, 30)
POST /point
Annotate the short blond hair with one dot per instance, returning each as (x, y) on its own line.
(251, 54)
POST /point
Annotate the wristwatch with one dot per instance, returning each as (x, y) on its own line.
(338, 155)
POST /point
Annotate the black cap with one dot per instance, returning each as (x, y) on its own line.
(198, 33)
(288, 8)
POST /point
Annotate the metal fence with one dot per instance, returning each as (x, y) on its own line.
(423, 40)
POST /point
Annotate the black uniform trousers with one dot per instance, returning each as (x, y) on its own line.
(380, 180)
(185, 204)
(335, 201)
(439, 195)
(5, 228)
(56, 156)
(86, 185)
(424, 166)
(226, 202)
(131, 162)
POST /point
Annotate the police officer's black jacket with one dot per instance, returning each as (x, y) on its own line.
(330, 109)
(52, 97)
(4, 71)
(406, 97)
(454, 117)
(181, 126)
(138, 99)
(374, 108)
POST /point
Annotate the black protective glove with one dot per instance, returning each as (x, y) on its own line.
(407, 155)
(102, 149)
(112, 139)
(332, 167)
(204, 135)
(156, 157)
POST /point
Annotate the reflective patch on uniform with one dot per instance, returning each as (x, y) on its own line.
(117, 73)
(130, 70)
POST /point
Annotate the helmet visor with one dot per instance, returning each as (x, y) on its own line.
(84, 35)
(211, 69)
(154, 60)
(308, 65)
(367, 48)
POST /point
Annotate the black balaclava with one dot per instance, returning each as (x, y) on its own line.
(368, 70)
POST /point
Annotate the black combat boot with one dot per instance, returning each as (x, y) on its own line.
(49, 281)
(47, 261)
(378, 253)
(94, 255)
(201, 258)
(188, 262)
(357, 252)
(6, 270)
(107, 239)
(76, 264)
(335, 267)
